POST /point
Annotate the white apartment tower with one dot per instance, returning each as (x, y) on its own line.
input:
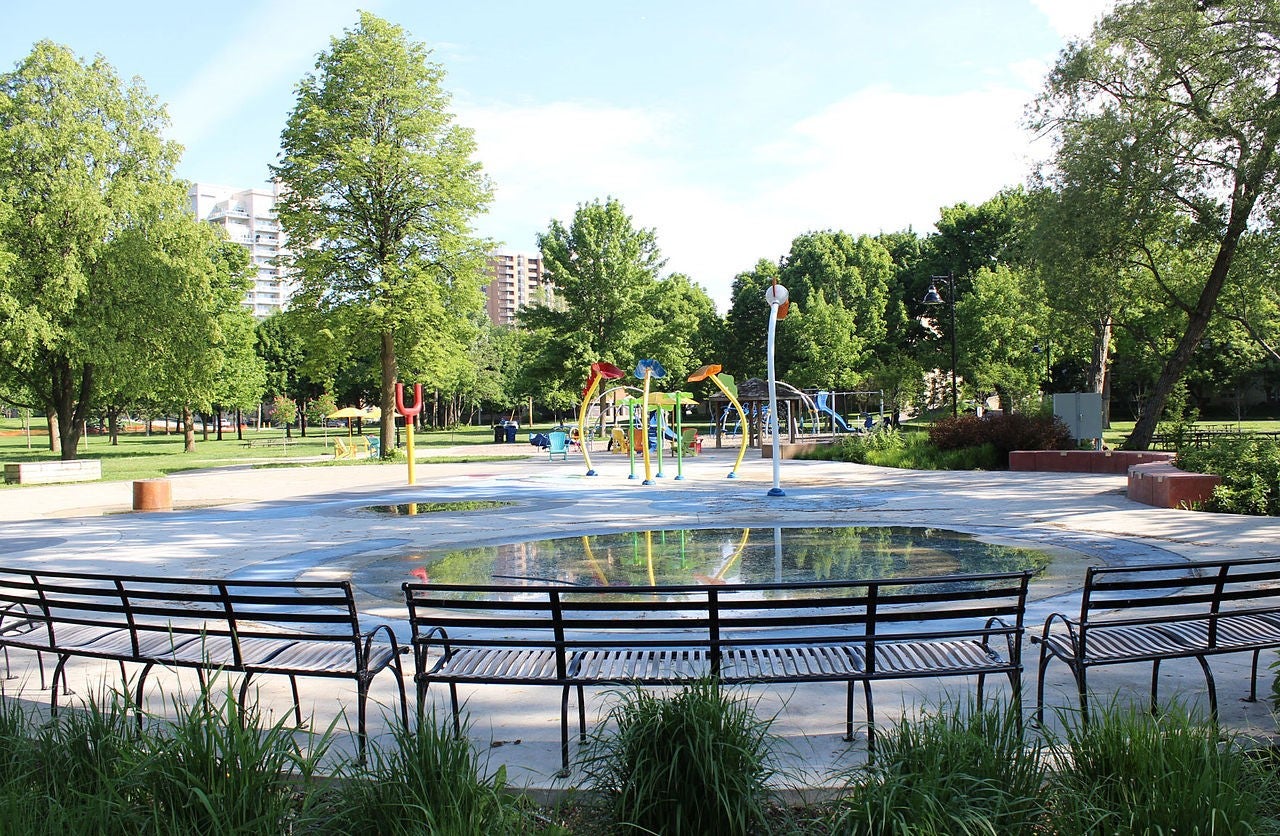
(248, 216)
(515, 281)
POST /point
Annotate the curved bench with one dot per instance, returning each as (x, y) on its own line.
(841, 631)
(288, 628)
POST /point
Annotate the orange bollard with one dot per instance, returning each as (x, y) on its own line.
(152, 495)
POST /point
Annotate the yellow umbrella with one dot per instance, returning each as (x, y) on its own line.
(373, 413)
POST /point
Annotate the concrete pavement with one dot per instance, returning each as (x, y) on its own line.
(309, 522)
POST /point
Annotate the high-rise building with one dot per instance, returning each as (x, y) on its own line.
(248, 216)
(515, 281)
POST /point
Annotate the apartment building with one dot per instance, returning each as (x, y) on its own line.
(515, 281)
(248, 216)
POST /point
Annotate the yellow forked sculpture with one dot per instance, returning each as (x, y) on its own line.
(727, 385)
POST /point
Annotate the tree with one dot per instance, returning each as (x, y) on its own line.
(605, 272)
(1179, 102)
(82, 166)
(380, 193)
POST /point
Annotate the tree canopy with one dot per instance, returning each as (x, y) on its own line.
(381, 191)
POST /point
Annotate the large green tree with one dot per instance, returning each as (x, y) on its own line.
(605, 271)
(1179, 101)
(89, 215)
(381, 191)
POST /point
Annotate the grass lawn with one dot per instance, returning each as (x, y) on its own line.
(139, 456)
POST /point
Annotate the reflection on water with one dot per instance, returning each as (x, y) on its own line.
(707, 556)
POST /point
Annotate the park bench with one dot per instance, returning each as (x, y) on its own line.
(251, 627)
(843, 631)
(39, 473)
(1165, 611)
(273, 441)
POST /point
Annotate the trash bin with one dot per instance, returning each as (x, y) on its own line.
(511, 432)
(499, 434)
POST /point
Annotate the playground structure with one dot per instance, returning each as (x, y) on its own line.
(647, 430)
(802, 414)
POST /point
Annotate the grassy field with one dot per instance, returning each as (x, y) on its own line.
(139, 456)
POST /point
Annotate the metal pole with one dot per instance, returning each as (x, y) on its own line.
(955, 401)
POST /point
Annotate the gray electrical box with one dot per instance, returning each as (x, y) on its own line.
(1081, 412)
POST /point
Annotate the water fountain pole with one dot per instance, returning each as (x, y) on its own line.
(777, 298)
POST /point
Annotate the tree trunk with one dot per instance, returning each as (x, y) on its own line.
(55, 440)
(387, 358)
(188, 430)
(71, 390)
(1197, 324)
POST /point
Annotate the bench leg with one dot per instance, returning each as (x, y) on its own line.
(362, 713)
(58, 674)
(297, 701)
(142, 684)
(564, 731)
(848, 712)
(871, 718)
(1155, 686)
(1213, 690)
(582, 717)
(1253, 678)
(982, 683)
(453, 706)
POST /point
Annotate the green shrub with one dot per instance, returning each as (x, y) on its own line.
(431, 781)
(1250, 471)
(953, 771)
(1127, 772)
(1004, 431)
(696, 762)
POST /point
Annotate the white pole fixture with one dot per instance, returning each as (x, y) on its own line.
(776, 296)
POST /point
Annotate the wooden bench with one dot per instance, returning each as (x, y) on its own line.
(849, 632)
(1165, 611)
(41, 473)
(290, 628)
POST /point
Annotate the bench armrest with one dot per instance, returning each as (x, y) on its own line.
(420, 650)
(1048, 627)
(370, 636)
(1011, 633)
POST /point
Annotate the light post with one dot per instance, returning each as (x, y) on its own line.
(931, 297)
(777, 299)
(1048, 363)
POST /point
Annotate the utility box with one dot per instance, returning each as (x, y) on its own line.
(1081, 412)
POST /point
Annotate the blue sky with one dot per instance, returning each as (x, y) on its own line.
(728, 126)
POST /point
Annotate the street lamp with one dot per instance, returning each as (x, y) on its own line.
(932, 297)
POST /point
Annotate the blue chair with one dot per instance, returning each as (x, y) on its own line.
(559, 446)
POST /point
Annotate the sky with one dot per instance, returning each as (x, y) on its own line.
(729, 127)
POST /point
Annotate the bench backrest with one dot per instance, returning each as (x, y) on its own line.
(712, 619)
(152, 606)
(1171, 592)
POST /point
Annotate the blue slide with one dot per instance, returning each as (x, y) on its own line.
(825, 407)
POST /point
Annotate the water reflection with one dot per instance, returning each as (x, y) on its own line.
(708, 556)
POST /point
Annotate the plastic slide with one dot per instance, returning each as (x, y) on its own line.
(825, 407)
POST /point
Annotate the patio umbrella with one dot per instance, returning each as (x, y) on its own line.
(373, 413)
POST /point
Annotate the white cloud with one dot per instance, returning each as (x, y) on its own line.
(878, 160)
(1073, 18)
(276, 45)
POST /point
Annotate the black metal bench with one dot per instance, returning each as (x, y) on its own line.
(289, 628)
(1165, 611)
(850, 632)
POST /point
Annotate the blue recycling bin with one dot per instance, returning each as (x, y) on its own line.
(511, 428)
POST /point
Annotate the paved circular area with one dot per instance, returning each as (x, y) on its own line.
(286, 522)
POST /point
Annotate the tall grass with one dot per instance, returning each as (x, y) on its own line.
(695, 762)
(216, 769)
(431, 781)
(1126, 772)
(954, 771)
